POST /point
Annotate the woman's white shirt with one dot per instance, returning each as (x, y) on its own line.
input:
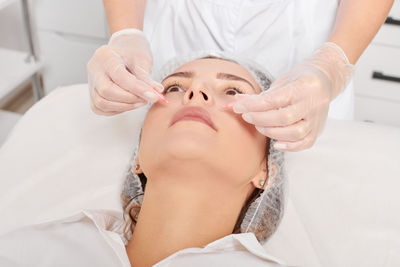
(94, 238)
(277, 34)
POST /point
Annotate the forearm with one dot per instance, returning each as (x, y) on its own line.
(122, 14)
(357, 22)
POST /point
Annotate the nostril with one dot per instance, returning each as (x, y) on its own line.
(205, 96)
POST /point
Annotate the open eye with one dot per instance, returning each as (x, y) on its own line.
(174, 87)
(234, 89)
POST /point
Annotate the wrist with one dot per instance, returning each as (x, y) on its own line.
(339, 51)
(128, 31)
(333, 62)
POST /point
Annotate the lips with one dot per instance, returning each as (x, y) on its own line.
(193, 113)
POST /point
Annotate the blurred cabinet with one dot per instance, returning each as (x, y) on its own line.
(69, 31)
(16, 67)
(377, 76)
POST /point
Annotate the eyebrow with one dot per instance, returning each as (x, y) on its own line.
(220, 75)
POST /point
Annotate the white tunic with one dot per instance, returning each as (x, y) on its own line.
(278, 34)
(94, 238)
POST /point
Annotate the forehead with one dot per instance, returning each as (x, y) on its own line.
(209, 67)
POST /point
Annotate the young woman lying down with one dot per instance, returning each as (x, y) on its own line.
(203, 187)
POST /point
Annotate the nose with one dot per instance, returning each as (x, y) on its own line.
(198, 94)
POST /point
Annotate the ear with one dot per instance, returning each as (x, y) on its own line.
(139, 170)
(264, 174)
(261, 175)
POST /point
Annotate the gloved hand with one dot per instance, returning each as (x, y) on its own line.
(294, 110)
(119, 74)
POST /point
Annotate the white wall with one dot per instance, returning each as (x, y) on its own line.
(69, 31)
(12, 33)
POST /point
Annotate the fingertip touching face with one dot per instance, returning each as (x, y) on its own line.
(232, 150)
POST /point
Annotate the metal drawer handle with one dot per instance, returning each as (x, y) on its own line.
(392, 21)
(381, 76)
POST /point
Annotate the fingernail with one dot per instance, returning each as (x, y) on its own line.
(247, 118)
(239, 108)
(280, 146)
(151, 96)
(260, 129)
(229, 106)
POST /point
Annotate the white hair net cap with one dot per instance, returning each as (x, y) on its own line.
(265, 212)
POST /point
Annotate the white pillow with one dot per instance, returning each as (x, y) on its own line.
(345, 191)
(341, 210)
(61, 157)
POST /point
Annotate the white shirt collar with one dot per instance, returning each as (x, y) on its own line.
(110, 224)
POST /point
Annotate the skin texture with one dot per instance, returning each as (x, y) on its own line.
(196, 176)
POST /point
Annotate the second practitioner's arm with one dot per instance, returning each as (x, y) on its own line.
(124, 14)
(294, 111)
(357, 22)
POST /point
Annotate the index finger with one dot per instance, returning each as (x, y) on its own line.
(263, 102)
(141, 74)
(117, 71)
(120, 75)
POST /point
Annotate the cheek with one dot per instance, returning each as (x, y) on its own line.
(173, 96)
(157, 117)
(242, 149)
(243, 131)
(154, 121)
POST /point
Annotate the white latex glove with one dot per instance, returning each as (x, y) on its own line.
(119, 74)
(294, 110)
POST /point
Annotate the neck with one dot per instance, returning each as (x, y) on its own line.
(182, 213)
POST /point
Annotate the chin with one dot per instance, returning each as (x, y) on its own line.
(184, 147)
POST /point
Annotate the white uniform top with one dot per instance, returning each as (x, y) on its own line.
(94, 238)
(277, 34)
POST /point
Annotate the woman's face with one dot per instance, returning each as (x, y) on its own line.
(234, 151)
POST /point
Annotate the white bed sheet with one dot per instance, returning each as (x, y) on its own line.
(342, 209)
